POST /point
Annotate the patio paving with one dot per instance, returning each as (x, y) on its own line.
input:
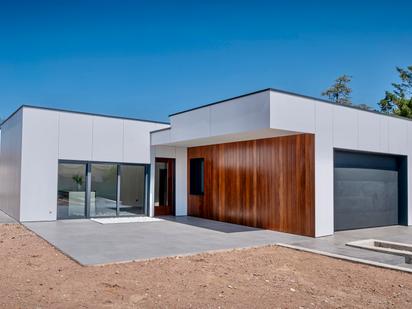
(92, 243)
(336, 244)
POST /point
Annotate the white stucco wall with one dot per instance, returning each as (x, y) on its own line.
(49, 136)
(10, 165)
(239, 115)
(39, 165)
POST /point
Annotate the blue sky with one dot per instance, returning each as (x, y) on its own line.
(149, 59)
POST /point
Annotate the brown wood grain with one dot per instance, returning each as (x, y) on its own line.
(266, 183)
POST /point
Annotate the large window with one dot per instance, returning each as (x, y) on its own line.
(101, 190)
(71, 192)
(132, 190)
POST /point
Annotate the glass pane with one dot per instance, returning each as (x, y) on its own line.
(103, 190)
(161, 194)
(71, 192)
(132, 190)
(197, 176)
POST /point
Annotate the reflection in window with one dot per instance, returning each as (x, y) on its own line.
(132, 190)
(161, 185)
(71, 195)
(103, 201)
(108, 190)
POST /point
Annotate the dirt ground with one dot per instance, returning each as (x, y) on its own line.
(35, 275)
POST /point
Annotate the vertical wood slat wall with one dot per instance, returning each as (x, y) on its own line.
(267, 183)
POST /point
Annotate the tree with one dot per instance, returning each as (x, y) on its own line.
(399, 102)
(366, 107)
(340, 91)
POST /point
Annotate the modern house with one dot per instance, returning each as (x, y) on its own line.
(268, 159)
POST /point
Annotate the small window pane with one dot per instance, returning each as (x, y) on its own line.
(161, 176)
(197, 176)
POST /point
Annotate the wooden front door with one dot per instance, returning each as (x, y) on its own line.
(164, 187)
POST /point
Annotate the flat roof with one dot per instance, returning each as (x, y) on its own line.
(207, 105)
(292, 94)
(81, 113)
(159, 130)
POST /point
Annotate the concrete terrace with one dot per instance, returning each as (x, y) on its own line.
(92, 243)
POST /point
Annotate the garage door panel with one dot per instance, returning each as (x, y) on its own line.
(365, 196)
(366, 182)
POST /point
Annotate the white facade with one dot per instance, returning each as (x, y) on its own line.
(272, 113)
(10, 165)
(35, 139)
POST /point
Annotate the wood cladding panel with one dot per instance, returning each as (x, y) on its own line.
(266, 183)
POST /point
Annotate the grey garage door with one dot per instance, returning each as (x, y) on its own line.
(369, 190)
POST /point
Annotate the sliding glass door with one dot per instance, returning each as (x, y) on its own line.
(71, 191)
(101, 190)
(132, 190)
